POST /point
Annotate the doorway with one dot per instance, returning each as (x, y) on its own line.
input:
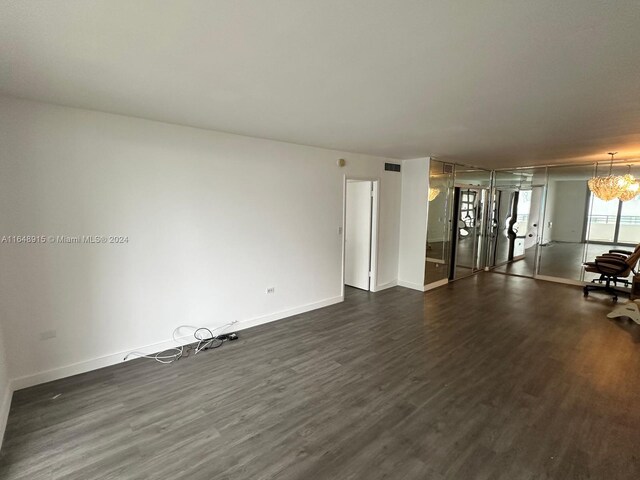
(360, 233)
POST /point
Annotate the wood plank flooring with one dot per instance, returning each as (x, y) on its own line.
(492, 377)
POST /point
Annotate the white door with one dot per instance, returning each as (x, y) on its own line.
(357, 235)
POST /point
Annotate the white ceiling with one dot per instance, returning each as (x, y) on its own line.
(489, 83)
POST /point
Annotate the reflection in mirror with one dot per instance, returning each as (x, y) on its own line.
(516, 218)
(565, 229)
(629, 230)
(438, 226)
(472, 177)
(501, 216)
(612, 225)
(471, 193)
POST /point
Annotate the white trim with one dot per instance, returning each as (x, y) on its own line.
(384, 286)
(566, 281)
(434, 260)
(412, 286)
(375, 233)
(344, 225)
(4, 410)
(437, 284)
(115, 358)
(272, 317)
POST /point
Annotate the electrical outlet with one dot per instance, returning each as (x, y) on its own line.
(48, 334)
(271, 289)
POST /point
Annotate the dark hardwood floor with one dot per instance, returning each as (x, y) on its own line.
(491, 377)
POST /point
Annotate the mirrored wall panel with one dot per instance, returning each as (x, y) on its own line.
(438, 247)
(565, 229)
(516, 216)
(537, 222)
(613, 224)
(470, 205)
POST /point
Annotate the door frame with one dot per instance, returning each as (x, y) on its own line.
(375, 230)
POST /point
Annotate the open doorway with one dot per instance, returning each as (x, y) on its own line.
(360, 233)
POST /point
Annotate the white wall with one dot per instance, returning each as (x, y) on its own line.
(568, 217)
(213, 219)
(413, 223)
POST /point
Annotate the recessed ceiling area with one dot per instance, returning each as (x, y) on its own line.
(493, 84)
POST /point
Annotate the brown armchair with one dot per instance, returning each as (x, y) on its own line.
(614, 267)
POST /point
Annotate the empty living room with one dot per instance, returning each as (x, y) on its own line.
(319, 239)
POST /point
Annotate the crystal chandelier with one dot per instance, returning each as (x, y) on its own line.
(609, 187)
(632, 189)
(433, 193)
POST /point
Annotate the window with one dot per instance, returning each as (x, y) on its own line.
(614, 221)
(603, 220)
(629, 230)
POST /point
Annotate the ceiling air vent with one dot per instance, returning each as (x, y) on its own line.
(392, 167)
(447, 168)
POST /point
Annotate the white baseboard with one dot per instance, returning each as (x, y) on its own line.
(412, 286)
(254, 322)
(112, 359)
(5, 406)
(384, 286)
(434, 260)
(437, 284)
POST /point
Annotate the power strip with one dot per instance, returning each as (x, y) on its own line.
(228, 336)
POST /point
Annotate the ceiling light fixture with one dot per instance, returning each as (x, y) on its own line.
(609, 187)
(633, 187)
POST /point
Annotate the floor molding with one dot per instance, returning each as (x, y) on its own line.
(384, 286)
(437, 284)
(412, 286)
(435, 260)
(112, 359)
(254, 322)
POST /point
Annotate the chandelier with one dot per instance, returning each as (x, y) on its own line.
(632, 189)
(433, 193)
(612, 186)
